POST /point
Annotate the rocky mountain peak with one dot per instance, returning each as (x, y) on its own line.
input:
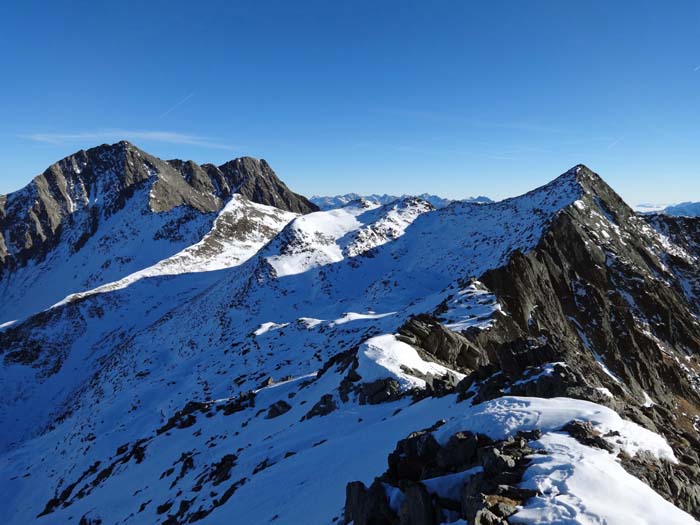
(255, 180)
(117, 199)
(602, 194)
(580, 188)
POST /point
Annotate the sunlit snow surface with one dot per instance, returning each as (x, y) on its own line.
(385, 356)
(132, 353)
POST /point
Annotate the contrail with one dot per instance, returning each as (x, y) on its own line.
(613, 143)
(178, 104)
(697, 68)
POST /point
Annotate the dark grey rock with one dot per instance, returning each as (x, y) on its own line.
(255, 180)
(380, 391)
(417, 507)
(277, 409)
(367, 506)
(584, 433)
(460, 450)
(323, 407)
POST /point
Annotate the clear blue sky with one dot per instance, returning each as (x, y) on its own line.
(450, 97)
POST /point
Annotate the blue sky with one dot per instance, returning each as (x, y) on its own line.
(450, 97)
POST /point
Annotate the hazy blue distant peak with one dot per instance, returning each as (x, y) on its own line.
(681, 209)
(686, 209)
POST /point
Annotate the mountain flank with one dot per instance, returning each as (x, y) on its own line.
(533, 360)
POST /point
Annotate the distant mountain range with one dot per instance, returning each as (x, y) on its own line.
(338, 201)
(682, 209)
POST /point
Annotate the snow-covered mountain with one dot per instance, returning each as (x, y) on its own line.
(534, 360)
(102, 214)
(338, 201)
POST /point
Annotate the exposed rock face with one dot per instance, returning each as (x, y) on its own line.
(443, 345)
(255, 180)
(32, 219)
(487, 491)
(595, 291)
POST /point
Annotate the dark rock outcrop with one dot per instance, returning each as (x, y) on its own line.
(602, 295)
(442, 345)
(255, 180)
(489, 492)
(277, 409)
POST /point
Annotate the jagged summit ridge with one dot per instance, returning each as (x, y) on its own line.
(254, 179)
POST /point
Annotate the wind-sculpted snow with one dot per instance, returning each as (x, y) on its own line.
(250, 375)
(506, 416)
(584, 485)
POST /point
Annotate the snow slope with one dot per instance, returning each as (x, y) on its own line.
(214, 386)
(128, 241)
